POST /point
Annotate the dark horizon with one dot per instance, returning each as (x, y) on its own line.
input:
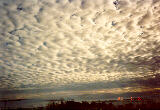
(134, 102)
(79, 49)
(32, 103)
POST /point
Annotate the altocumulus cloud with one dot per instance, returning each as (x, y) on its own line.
(78, 45)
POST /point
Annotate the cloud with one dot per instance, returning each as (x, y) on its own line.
(58, 43)
(123, 87)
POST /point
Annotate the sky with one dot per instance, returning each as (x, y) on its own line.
(80, 49)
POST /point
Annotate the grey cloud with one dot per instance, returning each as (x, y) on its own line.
(153, 82)
(123, 83)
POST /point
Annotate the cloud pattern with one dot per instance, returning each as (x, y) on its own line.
(78, 43)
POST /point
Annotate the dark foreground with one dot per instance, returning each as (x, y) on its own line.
(101, 106)
(71, 105)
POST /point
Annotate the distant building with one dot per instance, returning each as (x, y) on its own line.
(120, 98)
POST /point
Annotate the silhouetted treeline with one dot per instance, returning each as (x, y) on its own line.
(71, 105)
